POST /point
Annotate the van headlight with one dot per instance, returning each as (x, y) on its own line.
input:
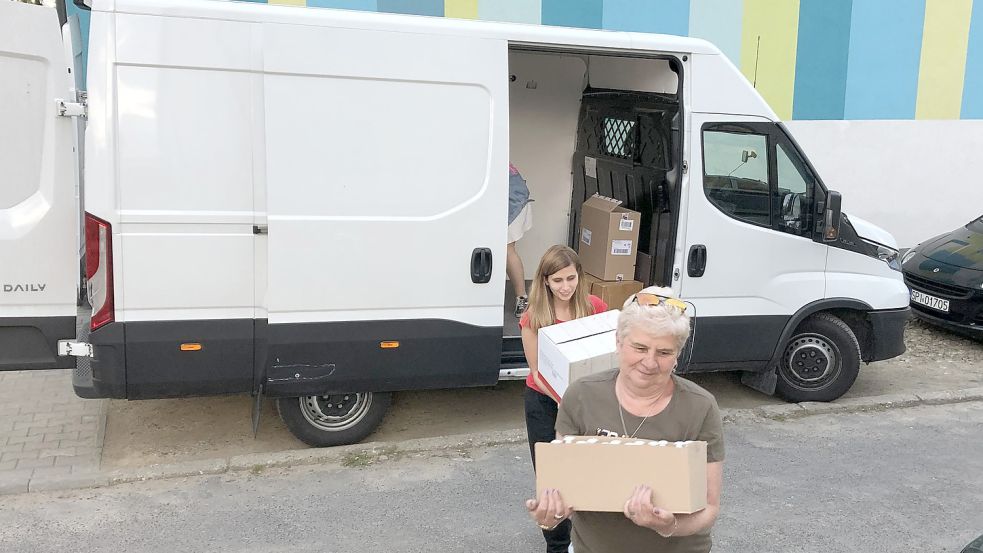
(909, 254)
(886, 254)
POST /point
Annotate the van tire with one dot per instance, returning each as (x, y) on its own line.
(820, 361)
(336, 419)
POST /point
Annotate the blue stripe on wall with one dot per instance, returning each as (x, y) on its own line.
(720, 22)
(670, 17)
(415, 7)
(365, 5)
(821, 60)
(972, 106)
(885, 52)
(573, 13)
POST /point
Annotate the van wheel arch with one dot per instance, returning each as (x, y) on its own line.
(820, 361)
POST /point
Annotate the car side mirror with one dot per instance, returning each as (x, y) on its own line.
(831, 216)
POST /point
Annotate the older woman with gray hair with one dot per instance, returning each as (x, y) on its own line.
(643, 398)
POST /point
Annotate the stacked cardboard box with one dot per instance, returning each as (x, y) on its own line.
(608, 238)
(613, 293)
(608, 249)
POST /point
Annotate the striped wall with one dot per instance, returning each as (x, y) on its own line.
(811, 59)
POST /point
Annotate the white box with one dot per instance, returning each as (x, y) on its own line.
(577, 348)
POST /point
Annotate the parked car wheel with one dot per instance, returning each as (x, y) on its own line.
(820, 361)
(337, 419)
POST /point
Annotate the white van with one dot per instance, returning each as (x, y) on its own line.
(310, 204)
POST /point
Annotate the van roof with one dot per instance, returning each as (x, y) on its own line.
(515, 33)
(717, 86)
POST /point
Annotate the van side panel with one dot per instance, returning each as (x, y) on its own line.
(386, 170)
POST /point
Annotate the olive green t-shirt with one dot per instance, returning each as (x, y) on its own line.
(590, 407)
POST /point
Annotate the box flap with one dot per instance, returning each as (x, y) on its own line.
(588, 347)
(579, 328)
(602, 203)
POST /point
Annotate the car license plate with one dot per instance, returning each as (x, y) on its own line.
(938, 304)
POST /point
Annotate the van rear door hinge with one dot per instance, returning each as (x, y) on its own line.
(74, 349)
(70, 109)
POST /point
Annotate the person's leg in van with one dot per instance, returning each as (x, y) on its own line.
(517, 274)
(541, 427)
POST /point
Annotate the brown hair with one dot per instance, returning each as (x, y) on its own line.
(541, 309)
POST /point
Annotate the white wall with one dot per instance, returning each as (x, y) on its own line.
(916, 179)
(544, 103)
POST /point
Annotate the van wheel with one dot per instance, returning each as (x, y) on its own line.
(820, 362)
(336, 419)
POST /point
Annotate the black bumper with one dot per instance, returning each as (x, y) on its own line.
(887, 333)
(103, 375)
(970, 330)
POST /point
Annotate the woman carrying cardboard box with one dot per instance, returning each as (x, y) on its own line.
(556, 296)
(643, 398)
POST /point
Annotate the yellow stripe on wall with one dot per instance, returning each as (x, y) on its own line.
(301, 3)
(945, 39)
(461, 9)
(768, 48)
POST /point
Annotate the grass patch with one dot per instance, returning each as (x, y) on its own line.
(368, 457)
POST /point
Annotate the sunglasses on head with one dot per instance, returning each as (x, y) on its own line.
(644, 298)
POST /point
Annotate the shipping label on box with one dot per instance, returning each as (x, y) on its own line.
(608, 238)
(600, 474)
(577, 348)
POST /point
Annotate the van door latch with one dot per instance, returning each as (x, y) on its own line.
(70, 109)
(74, 349)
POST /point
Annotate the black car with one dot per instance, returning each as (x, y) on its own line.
(945, 277)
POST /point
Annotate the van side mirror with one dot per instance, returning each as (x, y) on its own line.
(831, 216)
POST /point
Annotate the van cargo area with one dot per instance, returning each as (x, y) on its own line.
(565, 107)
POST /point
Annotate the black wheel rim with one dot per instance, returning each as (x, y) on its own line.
(811, 362)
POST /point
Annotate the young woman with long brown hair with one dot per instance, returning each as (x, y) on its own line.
(557, 295)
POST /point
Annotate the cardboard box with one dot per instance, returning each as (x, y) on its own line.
(600, 474)
(608, 238)
(614, 293)
(577, 348)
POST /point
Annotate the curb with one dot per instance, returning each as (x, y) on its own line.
(360, 455)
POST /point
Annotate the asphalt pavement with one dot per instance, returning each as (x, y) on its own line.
(897, 480)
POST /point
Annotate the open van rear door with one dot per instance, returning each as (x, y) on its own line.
(39, 260)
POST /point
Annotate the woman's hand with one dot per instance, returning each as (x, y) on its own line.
(548, 511)
(640, 510)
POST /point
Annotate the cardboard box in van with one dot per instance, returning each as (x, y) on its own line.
(600, 474)
(577, 348)
(613, 292)
(608, 238)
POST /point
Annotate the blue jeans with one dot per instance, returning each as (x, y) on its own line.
(541, 427)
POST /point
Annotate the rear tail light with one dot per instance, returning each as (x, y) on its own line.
(99, 269)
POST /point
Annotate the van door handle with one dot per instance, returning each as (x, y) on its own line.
(481, 265)
(697, 263)
(261, 229)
